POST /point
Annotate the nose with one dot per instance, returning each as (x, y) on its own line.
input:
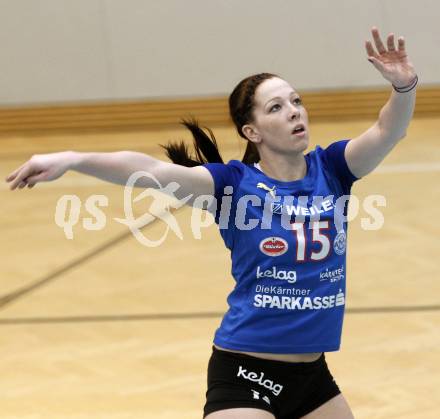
(293, 112)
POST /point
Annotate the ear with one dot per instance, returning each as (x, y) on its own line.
(251, 133)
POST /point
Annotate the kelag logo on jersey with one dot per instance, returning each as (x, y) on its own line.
(276, 273)
(273, 246)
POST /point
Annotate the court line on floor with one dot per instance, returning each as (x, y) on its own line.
(184, 316)
(9, 298)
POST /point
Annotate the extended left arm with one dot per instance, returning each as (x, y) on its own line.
(365, 152)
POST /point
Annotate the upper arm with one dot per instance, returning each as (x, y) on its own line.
(364, 153)
(191, 181)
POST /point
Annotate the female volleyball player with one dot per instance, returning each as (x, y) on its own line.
(287, 307)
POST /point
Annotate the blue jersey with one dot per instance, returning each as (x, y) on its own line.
(288, 250)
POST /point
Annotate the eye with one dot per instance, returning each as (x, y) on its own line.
(297, 101)
(272, 108)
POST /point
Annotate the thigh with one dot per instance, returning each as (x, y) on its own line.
(335, 408)
(240, 413)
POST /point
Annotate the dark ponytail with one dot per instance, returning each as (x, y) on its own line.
(205, 147)
(251, 154)
(241, 106)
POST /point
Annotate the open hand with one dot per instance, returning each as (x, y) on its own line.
(393, 63)
(40, 168)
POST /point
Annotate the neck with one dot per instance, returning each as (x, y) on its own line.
(286, 169)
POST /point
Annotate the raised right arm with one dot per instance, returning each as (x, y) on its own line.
(114, 167)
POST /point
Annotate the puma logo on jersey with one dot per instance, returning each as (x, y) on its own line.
(271, 190)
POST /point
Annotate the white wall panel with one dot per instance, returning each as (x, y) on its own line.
(65, 50)
(52, 50)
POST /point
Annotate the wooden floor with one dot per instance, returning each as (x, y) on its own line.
(101, 326)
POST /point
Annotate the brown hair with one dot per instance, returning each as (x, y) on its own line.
(241, 106)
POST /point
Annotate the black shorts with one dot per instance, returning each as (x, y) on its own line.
(287, 390)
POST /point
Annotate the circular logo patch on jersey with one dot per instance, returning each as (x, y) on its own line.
(340, 243)
(273, 246)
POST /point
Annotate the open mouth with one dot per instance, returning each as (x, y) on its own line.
(298, 129)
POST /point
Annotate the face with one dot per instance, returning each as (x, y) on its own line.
(280, 120)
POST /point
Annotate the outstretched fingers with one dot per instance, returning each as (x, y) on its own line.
(370, 50)
(19, 179)
(14, 174)
(380, 47)
(378, 41)
(390, 42)
(401, 44)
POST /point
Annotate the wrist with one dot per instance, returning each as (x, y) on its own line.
(408, 87)
(73, 159)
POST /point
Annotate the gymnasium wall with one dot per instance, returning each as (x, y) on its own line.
(97, 50)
